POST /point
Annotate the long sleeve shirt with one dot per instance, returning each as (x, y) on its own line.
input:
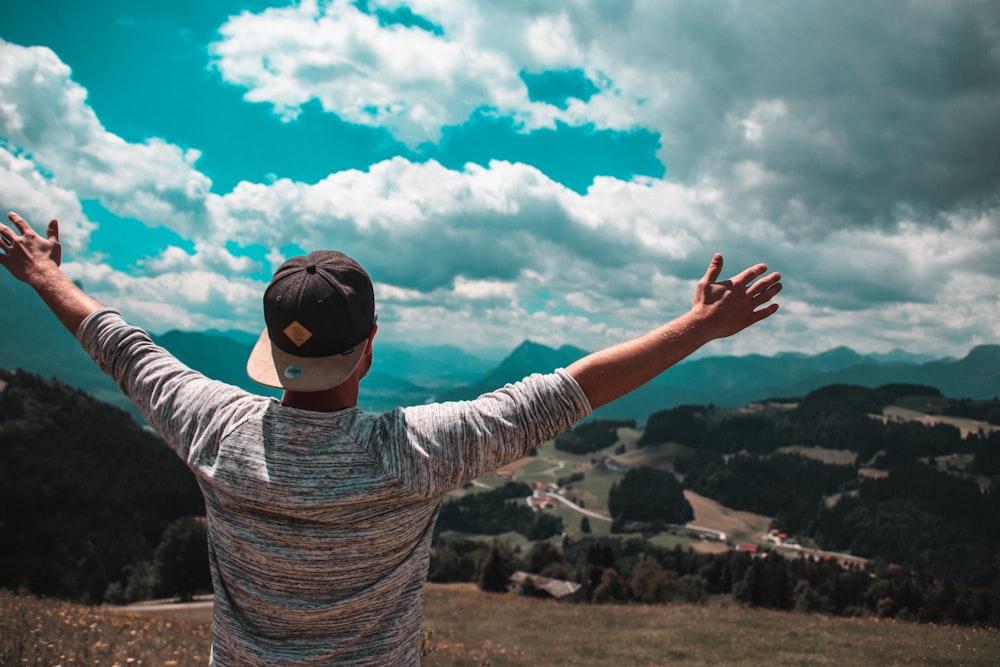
(320, 523)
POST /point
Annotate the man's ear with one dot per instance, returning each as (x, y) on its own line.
(371, 338)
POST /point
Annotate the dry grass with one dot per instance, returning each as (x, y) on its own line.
(964, 425)
(739, 526)
(40, 632)
(842, 457)
(470, 628)
(662, 457)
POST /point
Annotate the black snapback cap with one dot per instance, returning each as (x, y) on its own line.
(320, 311)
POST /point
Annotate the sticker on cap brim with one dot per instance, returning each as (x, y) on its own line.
(293, 372)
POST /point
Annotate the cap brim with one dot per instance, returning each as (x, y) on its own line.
(272, 367)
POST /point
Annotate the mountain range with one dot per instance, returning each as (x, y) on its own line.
(36, 342)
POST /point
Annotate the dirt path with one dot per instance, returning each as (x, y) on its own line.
(573, 506)
(199, 611)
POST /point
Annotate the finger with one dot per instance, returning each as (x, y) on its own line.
(53, 235)
(19, 222)
(765, 283)
(714, 270)
(764, 313)
(767, 294)
(748, 275)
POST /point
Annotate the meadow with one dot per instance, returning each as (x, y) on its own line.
(467, 627)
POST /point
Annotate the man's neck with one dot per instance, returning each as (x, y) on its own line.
(341, 397)
(330, 400)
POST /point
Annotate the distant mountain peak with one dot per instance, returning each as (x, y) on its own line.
(986, 353)
(530, 356)
(528, 345)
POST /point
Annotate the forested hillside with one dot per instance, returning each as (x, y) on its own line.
(85, 492)
(94, 507)
(845, 470)
(918, 494)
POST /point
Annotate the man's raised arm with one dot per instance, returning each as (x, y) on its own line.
(35, 260)
(720, 309)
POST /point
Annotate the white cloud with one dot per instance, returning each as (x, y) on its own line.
(28, 193)
(404, 78)
(494, 290)
(414, 82)
(827, 102)
(488, 256)
(45, 116)
(206, 257)
(192, 300)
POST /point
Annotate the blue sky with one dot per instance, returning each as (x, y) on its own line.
(554, 171)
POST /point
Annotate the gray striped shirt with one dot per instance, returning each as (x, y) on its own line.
(320, 524)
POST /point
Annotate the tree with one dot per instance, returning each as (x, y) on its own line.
(649, 495)
(685, 424)
(451, 561)
(143, 582)
(543, 527)
(182, 558)
(692, 588)
(651, 583)
(749, 590)
(541, 556)
(592, 436)
(611, 588)
(806, 598)
(495, 570)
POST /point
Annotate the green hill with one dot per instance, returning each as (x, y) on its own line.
(86, 493)
(84, 490)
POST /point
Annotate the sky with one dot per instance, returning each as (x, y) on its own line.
(508, 170)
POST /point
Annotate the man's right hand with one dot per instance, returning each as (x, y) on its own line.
(27, 254)
(35, 260)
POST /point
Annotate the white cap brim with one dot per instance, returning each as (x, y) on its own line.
(272, 367)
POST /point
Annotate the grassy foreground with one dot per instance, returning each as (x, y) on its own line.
(39, 632)
(470, 628)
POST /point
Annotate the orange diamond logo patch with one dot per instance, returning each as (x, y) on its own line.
(297, 333)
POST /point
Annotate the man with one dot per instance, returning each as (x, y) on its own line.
(320, 515)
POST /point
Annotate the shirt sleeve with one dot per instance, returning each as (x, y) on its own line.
(190, 411)
(436, 448)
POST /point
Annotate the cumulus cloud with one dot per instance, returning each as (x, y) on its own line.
(821, 115)
(847, 112)
(410, 79)
(187, 300)
(37, 199)
(45, 116)
(841, 166)
(366, 73)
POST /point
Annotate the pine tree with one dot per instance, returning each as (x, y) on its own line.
(493, 576)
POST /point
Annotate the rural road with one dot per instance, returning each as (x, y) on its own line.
(198, 611)
(575, 507)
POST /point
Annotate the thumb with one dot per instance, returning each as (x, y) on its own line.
(714, 270)
(52, 233)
